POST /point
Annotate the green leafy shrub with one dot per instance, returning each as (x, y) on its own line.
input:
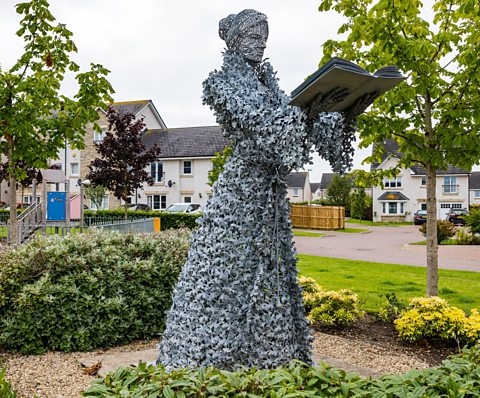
(88, 290)
(458, 376)
(466, 237)
(6, 390)
(432, 318)
(472, 220)
(168, 220)
(330, 308)
(445, 230)
(392, 309)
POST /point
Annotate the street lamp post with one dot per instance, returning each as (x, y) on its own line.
(83, 184)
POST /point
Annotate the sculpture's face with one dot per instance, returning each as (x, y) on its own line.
(252, 44)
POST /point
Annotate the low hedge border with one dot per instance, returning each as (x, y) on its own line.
(458, 376)
(168, 220)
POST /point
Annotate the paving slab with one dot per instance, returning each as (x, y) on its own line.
(110, 362)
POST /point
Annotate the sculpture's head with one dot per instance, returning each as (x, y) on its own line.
(245, 33)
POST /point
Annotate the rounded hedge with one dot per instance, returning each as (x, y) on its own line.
(86, 291)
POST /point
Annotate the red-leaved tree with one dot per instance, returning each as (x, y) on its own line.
(121, 167)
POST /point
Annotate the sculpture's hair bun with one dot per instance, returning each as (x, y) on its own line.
(224, 26)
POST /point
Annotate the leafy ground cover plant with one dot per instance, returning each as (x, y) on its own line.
(330, 308)
(87, 290)
(6, 390)
(459, 376)
(392, 309)
(432, 318)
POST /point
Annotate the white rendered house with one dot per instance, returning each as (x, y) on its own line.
(404, 194)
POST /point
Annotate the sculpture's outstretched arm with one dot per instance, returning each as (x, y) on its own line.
(333, 133)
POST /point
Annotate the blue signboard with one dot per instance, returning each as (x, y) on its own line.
(56, 206)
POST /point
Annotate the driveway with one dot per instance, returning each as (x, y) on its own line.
(387, 245)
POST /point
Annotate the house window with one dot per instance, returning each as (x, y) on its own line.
(394, 182)
(423, 206)
(295, 191)
(74, 169)
(156, 171)
(450, 184)
(29, 200)
(187, 167)
(393, 208)
(424, 180)
(103, 204)
(98, 136)
(157, 202)
(187, 199)
(476, 194)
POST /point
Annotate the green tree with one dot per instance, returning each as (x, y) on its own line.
(338, 192)
(434, 115)
(35, 119)
(472, 220)
(219, 162)
(96, 193)
(358, 203)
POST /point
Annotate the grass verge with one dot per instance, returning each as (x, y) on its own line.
(311, 234)
(369, 280)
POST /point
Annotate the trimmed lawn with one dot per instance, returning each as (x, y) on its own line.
(376, 224)
(310, 234)
(444, 242)
(369, 280)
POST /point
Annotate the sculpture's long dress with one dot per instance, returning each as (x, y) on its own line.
(237, 301)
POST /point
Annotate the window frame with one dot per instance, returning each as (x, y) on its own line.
(184, 167)
(162, 201)
(71, 169)
(158, 166)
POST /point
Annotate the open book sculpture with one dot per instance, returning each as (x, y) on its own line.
(340, 72)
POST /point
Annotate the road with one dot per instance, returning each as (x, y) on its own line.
(387, 245)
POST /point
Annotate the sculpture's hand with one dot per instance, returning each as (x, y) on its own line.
(359, 107)
(321, 103)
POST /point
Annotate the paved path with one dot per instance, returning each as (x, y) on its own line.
(110, 362)
(387, 245)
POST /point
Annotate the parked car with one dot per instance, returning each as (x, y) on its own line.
(192, 208)
(420, 217)
(456, 216)
(139, 206)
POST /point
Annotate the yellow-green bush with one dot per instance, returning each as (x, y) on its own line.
(330, 308)
(433, 318)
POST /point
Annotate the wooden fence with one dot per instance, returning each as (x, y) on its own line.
(317, 217)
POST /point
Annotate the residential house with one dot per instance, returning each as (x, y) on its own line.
(298, 187)
(74, 162)
(474, 188)
(324, 183)
(404, 194)
(181, 173)
(315, 190)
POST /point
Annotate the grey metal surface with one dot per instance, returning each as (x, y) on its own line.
(237, 302)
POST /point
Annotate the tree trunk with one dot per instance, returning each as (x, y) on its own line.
(12, 193)
(432, 244)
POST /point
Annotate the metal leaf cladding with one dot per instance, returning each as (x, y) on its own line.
(237, 302)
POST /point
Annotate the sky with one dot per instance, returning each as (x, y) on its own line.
(163, 50)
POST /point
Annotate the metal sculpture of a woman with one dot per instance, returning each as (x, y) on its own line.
(237, 302)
